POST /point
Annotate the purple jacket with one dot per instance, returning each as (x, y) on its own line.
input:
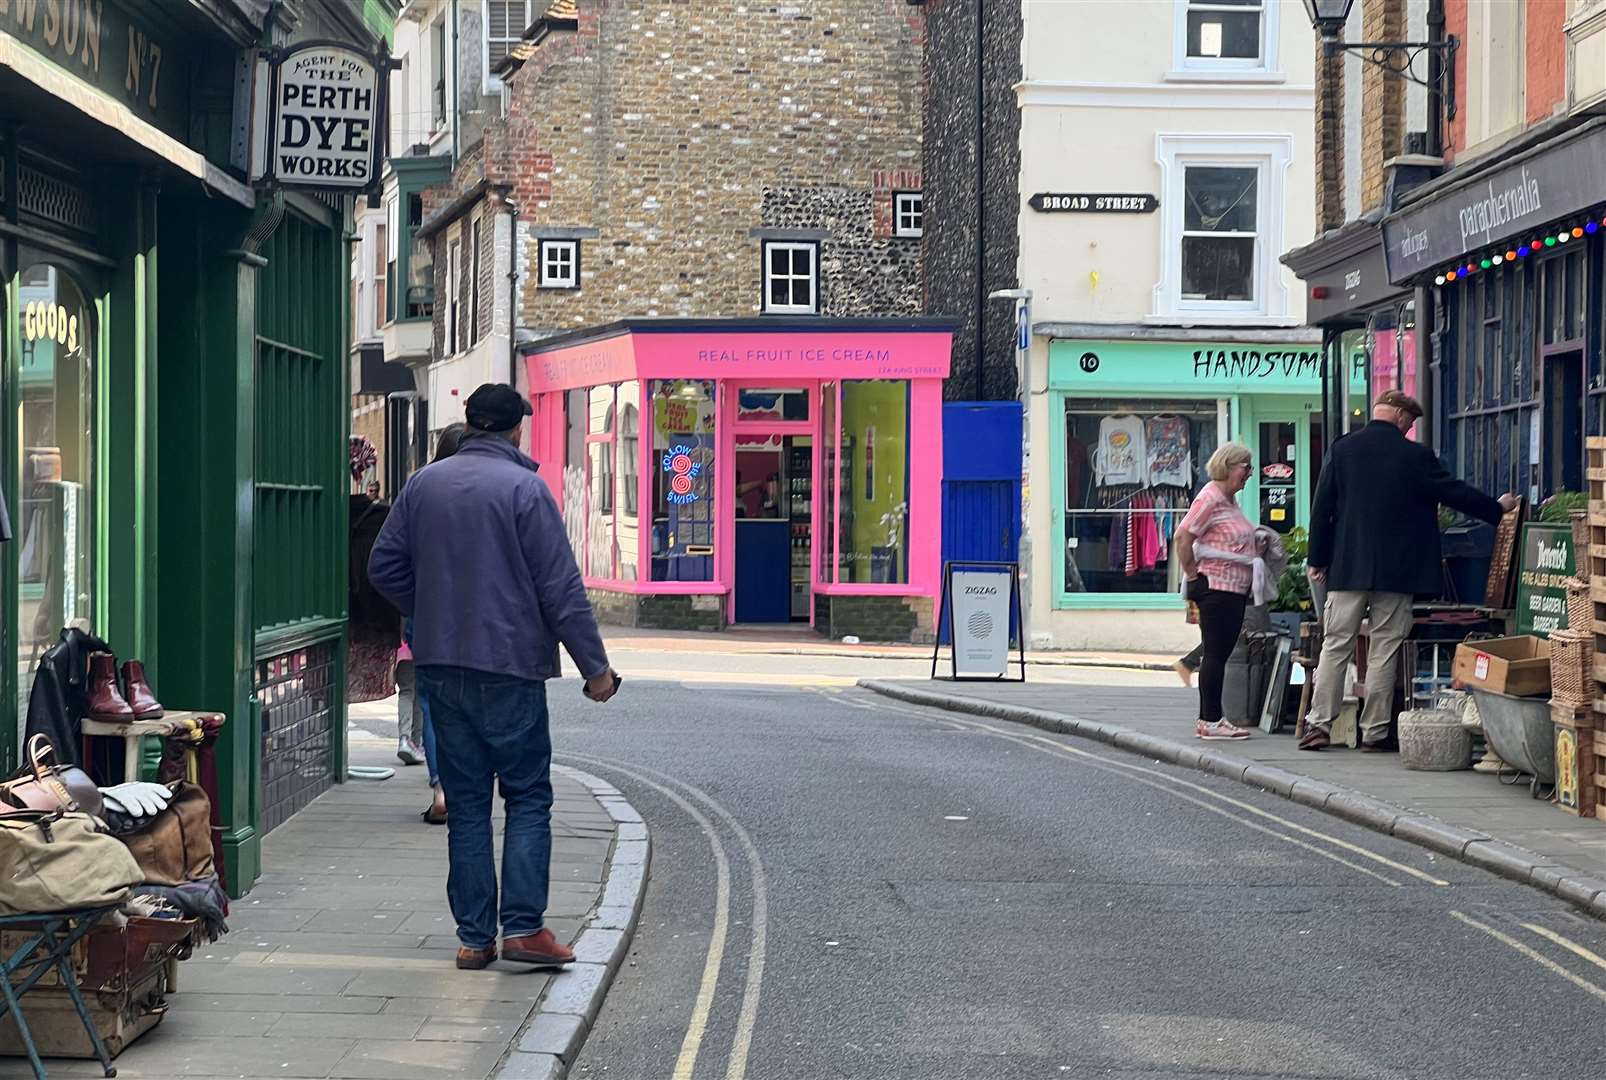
(475, 552)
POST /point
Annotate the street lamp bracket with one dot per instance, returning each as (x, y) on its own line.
(1398, 58)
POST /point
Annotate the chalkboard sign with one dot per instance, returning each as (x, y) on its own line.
(1497, 594)
(1546, 565)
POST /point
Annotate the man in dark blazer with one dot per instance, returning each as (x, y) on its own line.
(1374, 543)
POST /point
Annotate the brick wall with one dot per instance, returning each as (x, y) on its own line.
(1330, 146)
(883, 619)
(1547, 59)
(1382, 101)
(676, 129)
(953, 226)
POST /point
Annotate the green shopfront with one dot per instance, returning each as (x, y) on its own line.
(1130, 426)
(173, 403)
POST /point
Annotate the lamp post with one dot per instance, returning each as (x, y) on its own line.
(1398, 58)
(1023, 357)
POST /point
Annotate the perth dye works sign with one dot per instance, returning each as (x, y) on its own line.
(1047, 202)
(326, 118)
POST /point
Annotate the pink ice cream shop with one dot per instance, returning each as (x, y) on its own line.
(749, 471)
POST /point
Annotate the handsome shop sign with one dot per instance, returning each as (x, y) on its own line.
(321, 108)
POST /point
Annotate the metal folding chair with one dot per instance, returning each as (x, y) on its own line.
(57, 933)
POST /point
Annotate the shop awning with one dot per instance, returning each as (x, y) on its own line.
(742, 348)
(31, 88)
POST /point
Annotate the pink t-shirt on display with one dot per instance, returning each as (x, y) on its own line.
(1215, 520)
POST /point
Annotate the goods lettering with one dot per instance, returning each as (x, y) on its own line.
(50, 322)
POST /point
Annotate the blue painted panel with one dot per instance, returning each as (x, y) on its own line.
(981, 440)
(980, 523)
(763, 571)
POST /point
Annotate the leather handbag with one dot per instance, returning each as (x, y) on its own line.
(61, 863)
(41, 786)
(177, 848)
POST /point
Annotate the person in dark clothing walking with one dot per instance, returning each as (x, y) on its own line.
(476, 553)
(1374, 543)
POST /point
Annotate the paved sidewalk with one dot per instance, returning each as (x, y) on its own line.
(803, 641)
(1475, 805)
(340, 962)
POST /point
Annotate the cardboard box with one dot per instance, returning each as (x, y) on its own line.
(1519, 666)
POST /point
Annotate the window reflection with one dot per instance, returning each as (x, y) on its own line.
(56, 423)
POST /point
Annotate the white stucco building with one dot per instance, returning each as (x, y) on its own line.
(1166, 164)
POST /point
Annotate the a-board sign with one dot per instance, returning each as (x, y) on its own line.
(979, 610)
(980, 601)
(1543, 570)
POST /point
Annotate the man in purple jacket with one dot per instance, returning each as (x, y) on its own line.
(474, 550)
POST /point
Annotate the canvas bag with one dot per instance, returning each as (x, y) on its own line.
(177, 848)
(62, 863)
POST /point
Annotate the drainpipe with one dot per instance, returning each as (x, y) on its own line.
(454, 110)
(1436, 60)
(981, 212)
(512, 291)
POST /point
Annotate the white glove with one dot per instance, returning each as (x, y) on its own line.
(137, 799)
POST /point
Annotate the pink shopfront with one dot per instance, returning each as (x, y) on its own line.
(750, 471)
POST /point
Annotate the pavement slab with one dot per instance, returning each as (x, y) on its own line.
(340, 963)
(1468, 815)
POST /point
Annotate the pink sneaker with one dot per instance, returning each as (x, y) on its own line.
(1219, 730)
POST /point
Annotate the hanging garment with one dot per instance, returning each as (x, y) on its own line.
(1121, 458)
(59, 698)
(1078, 472)
(1170, 458)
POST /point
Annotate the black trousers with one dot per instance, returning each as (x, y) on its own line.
(1221, 617)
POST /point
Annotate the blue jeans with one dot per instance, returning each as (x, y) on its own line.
(493, 727)
(429, 740)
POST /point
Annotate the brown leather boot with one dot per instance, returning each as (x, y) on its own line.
(475, 959)
(105, 700)
(137, 692)
(540, 949)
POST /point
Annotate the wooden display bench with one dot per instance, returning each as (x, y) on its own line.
(133, 731)
(1588, 744)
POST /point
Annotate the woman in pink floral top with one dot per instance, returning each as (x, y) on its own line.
(1220, 587)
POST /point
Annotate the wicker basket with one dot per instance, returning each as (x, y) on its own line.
(1571, 671)
(1580, 606)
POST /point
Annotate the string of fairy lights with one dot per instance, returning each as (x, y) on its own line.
(1512, 254)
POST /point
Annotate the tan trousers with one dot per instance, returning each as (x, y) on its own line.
(1341, 623)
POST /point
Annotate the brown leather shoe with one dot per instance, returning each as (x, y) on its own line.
(137, 692)
(475, 959)
(542, 950)
(1315, 739)
(104, 701)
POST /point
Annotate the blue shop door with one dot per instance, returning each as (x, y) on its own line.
(980, 523)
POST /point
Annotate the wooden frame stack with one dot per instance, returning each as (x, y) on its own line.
(1580, 734)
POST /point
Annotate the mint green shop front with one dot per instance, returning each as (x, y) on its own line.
(173, 392)
(1176, 396)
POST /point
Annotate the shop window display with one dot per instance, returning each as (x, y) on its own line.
(56, 424)
(874, 481)
(600, 450)
(683, 471)
(575, 406)
(627, 516)
(1131, 470)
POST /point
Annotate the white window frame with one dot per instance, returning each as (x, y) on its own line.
(1273, 156)
(546, 277)
(1185, 68)
(813, 277)
(908, 204)
(492, 84)
(454, 270)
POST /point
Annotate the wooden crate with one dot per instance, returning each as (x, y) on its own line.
(1575, 765)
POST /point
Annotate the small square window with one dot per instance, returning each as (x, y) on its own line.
(791, 278)
(560, 264)
(908, 213)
